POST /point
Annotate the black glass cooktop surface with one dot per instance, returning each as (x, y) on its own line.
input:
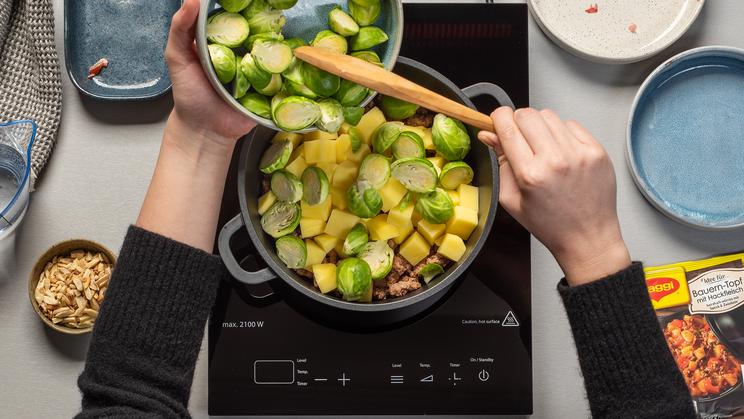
(469, 355)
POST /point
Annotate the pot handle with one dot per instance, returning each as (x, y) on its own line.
(228, 258)
(489, 89)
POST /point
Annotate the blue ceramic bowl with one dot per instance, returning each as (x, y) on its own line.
(685, 138)
(304, 20)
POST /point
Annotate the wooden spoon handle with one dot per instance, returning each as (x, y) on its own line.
(390, 84)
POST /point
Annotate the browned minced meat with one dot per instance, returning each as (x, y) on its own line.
(435, 258)
(404, 286)
(305, 273)
(422, 118)
(331, 257)
(392, 244)
(380, 290)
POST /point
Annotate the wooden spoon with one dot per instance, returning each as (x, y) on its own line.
(390, 84)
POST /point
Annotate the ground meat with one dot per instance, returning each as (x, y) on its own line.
(305, 273)
(400, 268)
(331, 257)
(265, 185)
(380, 290)
(392, 244)
(435, 258)
(404, 286)
(422, 118)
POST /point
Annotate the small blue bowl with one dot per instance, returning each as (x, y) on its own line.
(131, 34)
(685, 138)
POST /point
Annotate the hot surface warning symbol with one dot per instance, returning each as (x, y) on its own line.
(510, 320)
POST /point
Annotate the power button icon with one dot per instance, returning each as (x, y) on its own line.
(483, 375)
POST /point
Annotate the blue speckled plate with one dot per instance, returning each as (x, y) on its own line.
(131, 34)
(686, 138)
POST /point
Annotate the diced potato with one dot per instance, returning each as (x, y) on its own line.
(400, 217)
(418, 130)
(468, 196)
(414, 249)
(463, 222)
(380, 229)
(339, 247)
(311, 227)
(454, 196)
(315, 254)
(403, 232)
(320, 135)
(392, 193)
(438, 241)
(325, 277)
(345, 127)
(297, 152)
(359, 155)
(338, 196)
(328, 168)
(343, 147)
(293, 137)
(297, 166)
(369, 123)
(319, 212)
(438, 162)
(339, 223)
(320, 151)
(430, 231)
(345, 174)
(452, 247)
(326, 242)
(428, 141)
(265, 202)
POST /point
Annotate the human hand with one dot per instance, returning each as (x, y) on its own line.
(558, 182)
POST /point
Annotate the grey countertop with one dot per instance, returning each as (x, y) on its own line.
(95, 182)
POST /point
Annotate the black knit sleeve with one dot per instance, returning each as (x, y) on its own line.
(628, 369)
(147, 337)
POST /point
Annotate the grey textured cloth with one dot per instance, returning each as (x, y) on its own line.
(30, 86)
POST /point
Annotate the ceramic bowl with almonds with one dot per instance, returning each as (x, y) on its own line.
(68, 284)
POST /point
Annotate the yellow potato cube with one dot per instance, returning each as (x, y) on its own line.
(428, 141)
(454, 196)
(315, 254)
(292, 137)
(452, 247)
(438, 242)
(345, 127)
(326, 242)
(414, 249)
(310, 227)
(438, 162)
(468, 195)
(297, 166)
(463, 222)
(328, 168)
(359, 155)
(320, 135)
(392, 193)
(417, 130)
(338, 196)
(339, 223)
(345, 174)
(297, 152)
(403, 232)
(265, 202)
(369, 123)
(343, 147)
(430, 231)
(339, 247)
(400, 217)
(380, 229)
(325, 277)
(318, 212)
(320, 151)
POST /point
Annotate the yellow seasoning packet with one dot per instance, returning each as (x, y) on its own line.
(667, 287)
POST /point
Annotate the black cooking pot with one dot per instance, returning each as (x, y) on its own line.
(481, 158)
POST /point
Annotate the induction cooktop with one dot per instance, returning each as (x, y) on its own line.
(469, 355)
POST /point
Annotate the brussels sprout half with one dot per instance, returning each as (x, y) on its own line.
(374, 171)
(271, 55)
(350, 93)
(385, 135)
(353, 114)
(282, 4)
(379, 256)
(315, 185)
(295, 42)
(365, 3)
(276, 100)
(353, 278)
(355, 240)
(257, 103)
(228, 29)
(408, 144)
(364, 203)
(341, 23)
(295, 113)
(331, 41)
(234, 6)
(255, 7)
(416, 174)
(435, 207)
(281, 219)
(368, 56)
(298, 89)
(258, 78)
(223, 62)
(275, 157)
(248, 44)
(397, 109)
(331, 115)
(267, 21)
(292, 251)
(356, 139)
(430, 270)
(240, 84)
(454, 174)
(365, 13)
(274, 86)
(286, 186)
(368, 37)
(450, 137)
(321, 82)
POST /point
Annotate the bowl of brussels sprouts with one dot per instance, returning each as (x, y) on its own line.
(246, 50)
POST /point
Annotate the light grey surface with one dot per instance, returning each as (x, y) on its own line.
(97, 178)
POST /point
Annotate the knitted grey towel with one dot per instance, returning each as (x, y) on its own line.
(30, 86)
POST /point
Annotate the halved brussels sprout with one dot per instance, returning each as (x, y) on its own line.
(275, 157)
(274, 86)
(403, 204)
(364, 203)
(292, 251)
(435, 207)
(286, 186)
(223, 62)
(331, 115)
(450, 137)
(281, 219)
(272, 55)
(240, 84)
(267, 21)
(416, 174)
(272, 36)
(353, 114)
(295, 113)
(234, 6)
(315, 185)
(454, 174)
(385, 135)
(379, 256)
(295, 42)
(257, 103)
(298, 89)
(255, 7)
(368, 37)
(282, 4)
(408, 144)
(365, 13)
(355, 240)
(276, 100)
(430, 270)
(350, 93)
(368, 56)
(374, 171)
(355, 135)
(321, 82)
(397, 109)
(228, 29)
(341, 23)
(331, 41)
(255, 75)
(353, 278)
(365, 3)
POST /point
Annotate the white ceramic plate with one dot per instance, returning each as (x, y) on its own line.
(615, 31)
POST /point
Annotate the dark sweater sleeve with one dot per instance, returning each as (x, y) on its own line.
(628, 369)
(147, 337)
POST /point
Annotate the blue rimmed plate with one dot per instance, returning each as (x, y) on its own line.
(685, 138)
